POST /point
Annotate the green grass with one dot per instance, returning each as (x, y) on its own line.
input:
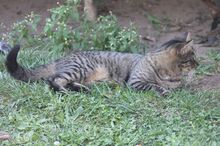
(35, 115)
(210, 64)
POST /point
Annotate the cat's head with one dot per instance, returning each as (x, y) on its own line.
(177, 56)
(186, 59)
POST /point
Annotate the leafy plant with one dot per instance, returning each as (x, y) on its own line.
(107, 35)
(155, 21)
(25, 31)
(64, 30)
(56, 30)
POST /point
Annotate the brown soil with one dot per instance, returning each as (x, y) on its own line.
(176, 17)
(208, 83)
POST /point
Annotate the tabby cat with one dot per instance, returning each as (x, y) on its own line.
(161, 70)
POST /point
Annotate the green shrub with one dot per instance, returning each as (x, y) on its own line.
(106, 34)
(65, 30)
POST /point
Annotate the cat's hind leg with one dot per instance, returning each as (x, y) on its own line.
(74, 86)
(60, 83)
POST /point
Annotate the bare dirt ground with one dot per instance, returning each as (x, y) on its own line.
(175, 18)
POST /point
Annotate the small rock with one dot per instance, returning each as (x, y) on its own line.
(4, 136)
(56, 143)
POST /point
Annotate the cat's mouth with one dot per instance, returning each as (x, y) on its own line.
(176, 78)
(169, 76)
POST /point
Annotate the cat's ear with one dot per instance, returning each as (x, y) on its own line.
(188, 37)
(189, 41)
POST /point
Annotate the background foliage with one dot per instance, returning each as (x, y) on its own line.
(64, 30)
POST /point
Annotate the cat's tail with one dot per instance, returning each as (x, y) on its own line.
(24, 74)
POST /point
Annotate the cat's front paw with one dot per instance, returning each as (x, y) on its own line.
(165, 92)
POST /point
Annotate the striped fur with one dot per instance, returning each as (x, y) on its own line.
(160, 70)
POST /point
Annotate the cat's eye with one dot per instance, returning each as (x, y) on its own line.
(186, 61)
(186, 64)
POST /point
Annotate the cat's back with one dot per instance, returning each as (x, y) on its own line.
(104, 57)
